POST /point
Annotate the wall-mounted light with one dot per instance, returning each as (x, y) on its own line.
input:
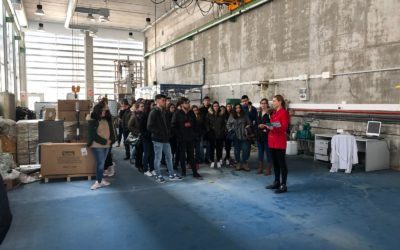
(130, 36)
(39, 10)
(148, 20)
(41, 27)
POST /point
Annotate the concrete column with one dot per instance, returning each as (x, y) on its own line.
(5, 50)
(14, 76)
(23, 90)
(89, 79)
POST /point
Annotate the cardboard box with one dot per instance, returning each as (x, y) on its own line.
(71, 105)
(49, 114)
(66, 159)
(70, 116)
(7, 145)
(10, 184)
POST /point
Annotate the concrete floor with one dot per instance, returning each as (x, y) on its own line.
(228, 210)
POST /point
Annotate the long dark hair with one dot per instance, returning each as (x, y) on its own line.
(281, 100)
(96, 113)
(147, 107)
(212, 108)
(234, 113)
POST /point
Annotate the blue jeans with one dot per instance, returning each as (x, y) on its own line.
(160, 148)
(244, 147)
(148, 155)
(100, 155)
(263, 147)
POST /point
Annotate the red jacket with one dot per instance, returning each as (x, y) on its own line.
(277, 136)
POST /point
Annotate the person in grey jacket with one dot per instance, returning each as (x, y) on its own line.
(238, 122)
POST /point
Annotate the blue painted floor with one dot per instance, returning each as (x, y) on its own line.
(227, 210)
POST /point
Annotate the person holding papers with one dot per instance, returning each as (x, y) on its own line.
(277, 127)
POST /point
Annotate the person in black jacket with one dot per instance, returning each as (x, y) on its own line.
(228, 141)
(158, 125)
(204, 142)
(126, 115)
(199, 131)
(171, 109)
(184, 125)
(134, 128)
(148, 150)
(216, 128)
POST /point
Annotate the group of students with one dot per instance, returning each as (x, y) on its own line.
(177, 135)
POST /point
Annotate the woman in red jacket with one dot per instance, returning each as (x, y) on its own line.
(277, 143)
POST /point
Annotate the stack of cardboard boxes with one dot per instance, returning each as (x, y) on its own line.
(67, 112)
(66, 109)
(27, 141)
(69, 159)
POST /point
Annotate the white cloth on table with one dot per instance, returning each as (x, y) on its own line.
(343, 153)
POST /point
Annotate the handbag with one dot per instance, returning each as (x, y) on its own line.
(132, 139)
(250, 135)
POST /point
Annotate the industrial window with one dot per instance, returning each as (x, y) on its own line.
(56, 62)
(53, 64)
(105, 51)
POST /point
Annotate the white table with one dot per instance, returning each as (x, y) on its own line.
(376, 152)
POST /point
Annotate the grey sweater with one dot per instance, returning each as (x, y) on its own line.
(238, 125)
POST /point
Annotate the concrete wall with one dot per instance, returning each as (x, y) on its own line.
(287, 38)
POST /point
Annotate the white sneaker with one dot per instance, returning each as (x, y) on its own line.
(148, 173)
(153, 172)
(104, 183)
(111, 170)
(212, 165)
(227, 162)
(219, 164)
(96, 185)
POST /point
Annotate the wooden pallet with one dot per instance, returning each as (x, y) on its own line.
(68, 177)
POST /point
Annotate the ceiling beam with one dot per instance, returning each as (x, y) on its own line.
(70, 12)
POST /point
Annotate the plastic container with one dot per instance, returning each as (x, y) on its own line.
(291, 148)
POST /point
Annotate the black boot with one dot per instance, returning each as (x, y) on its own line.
(274, 185)
(281, 189)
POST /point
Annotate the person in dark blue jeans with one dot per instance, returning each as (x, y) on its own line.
(238, 122)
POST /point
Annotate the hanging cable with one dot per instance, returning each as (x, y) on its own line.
(204, 12)
(188, 12)
(182, 6)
